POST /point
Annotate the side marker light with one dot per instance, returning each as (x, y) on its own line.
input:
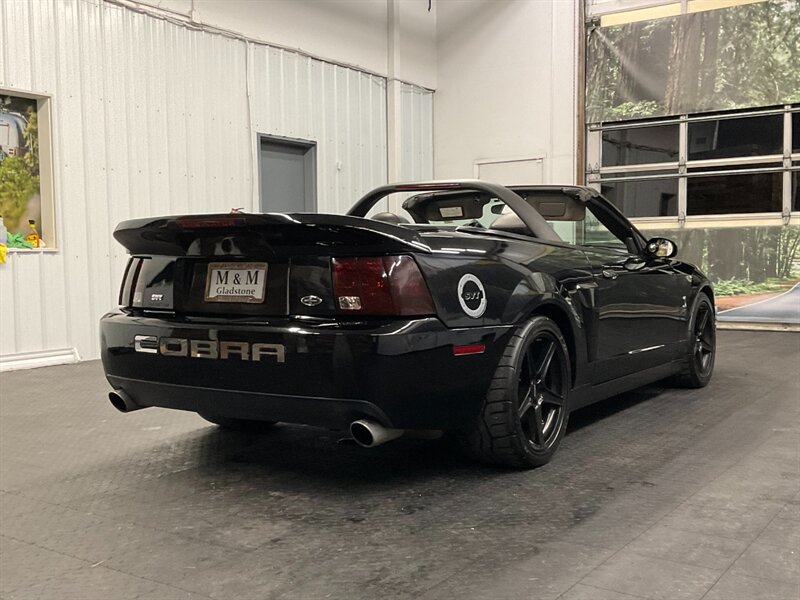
(469, 349)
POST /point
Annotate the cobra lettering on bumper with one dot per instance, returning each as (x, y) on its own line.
(172, 346)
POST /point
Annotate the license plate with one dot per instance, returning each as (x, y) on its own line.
(236, 282)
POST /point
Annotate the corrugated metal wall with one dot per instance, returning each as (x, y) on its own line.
(342, 109)
(150, 117)
(416, 133)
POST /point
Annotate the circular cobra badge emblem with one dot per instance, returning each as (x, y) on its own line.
(472, 296)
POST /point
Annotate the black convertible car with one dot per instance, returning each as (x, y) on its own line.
(487, 311)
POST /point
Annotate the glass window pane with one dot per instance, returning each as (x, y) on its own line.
(726, 194)
(650, 198)
(588, 231)
(727, 138)
(796, 132)
(796, 189)
(19, 166)
(594, 233)
(640, 145)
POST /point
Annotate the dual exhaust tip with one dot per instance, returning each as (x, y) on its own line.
(122, 401)
(370, 434)
(364, 432)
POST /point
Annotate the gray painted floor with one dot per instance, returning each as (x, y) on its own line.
(656, 494)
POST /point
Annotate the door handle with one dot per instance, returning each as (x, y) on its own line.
(609, 274)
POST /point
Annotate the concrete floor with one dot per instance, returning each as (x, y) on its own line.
(655, 494)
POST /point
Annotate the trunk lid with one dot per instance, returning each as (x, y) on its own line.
(247, 265)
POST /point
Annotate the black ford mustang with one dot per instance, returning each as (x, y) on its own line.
(488, 311)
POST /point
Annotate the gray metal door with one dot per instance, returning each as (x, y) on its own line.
(287, 175)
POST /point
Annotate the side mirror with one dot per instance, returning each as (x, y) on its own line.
(659, 247)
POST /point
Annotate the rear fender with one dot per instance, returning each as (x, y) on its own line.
(572, 326)
(514, 277)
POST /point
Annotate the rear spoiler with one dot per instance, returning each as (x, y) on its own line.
(264, 234)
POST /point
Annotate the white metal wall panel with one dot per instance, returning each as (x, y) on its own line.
(150, 117)
(342, 110)
(416, 131)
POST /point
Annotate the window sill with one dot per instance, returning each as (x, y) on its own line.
(47, 250)
(716, 221)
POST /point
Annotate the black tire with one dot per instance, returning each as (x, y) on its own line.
(530, 385)
(702, 350)
(245, 425)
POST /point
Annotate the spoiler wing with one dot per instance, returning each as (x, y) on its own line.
(265, 234)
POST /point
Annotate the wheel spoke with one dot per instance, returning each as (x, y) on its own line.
(703, 321)
(706, 346)
(538, 426)
(526, 403)
(547, 359)
(551, 397)
(530, 361)
(549, 421)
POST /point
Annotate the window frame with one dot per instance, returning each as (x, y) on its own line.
(631, 167)
(785, 163)
(48, 225)
(617, 224)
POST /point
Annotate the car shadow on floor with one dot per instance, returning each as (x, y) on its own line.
(205, 477)
(604, 409)
(298, 453)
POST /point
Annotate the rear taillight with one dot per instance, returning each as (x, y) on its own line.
(380, 285)
(131, 289)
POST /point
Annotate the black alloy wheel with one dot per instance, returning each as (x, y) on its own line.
(541, 392)
(704, 339)
(699, 362)
(524, 415)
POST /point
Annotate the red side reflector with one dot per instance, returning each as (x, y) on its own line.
(469, 349)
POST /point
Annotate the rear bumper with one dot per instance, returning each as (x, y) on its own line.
(402, 373)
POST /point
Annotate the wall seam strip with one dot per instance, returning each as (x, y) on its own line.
(180, 20)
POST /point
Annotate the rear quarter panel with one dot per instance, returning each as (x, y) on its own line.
(520, 278)
(517, 277)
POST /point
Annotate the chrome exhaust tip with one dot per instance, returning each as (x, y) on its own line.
(122, 401)
(370, 434)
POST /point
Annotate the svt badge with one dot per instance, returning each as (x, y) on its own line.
(472, 296)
